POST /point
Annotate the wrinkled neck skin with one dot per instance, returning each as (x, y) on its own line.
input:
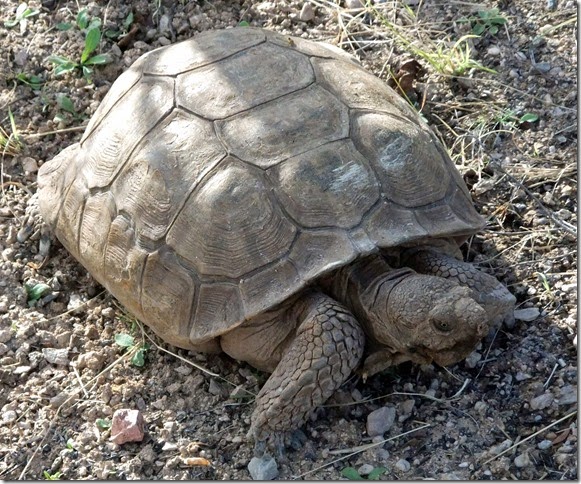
(365, 287)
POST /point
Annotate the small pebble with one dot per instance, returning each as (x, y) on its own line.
(403, 465)
(493, 50)
(56, 356)
(365, 469)
(568, 395)
(380, 421)
(542, 401)
(545, 444)
(9, 416)
(263, 468)
(353, 4)
(472, 359)
(499, 448)
(127, 426)
(527, 314)
(522, 460)
(307, 13)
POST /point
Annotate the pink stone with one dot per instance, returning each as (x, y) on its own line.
(127, 426)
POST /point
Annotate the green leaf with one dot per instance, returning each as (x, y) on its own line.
(91, 43)
(128, 21)
(83, 19)
(66, 104)
(529, 118)
(34, 82)
(63, 26)
(70, 444)
(375, 473)
(103, 423)
(493, 29)
(138, 359)
(243, 23)
(112, 34)
(478, 29)
(63, 69)
(351, 474)
(125, 340)
(99, 59)
(58, 60)
(95, 23)
(37, 291)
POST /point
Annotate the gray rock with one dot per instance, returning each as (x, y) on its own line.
(568, 395)
(403, 465)
(263, 468)
(365, 469)
(545, 444)
(499, 448)
(522, 460)
(542, 401)
(472, 359)
(56, 356)
(527, 314)
(5, 335)
(380, 421)
(9, 416)
(307, 13)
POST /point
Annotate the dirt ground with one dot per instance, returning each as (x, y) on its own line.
(507, 412)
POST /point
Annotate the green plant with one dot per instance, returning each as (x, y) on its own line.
(486, 20)
(10, 144)
(30, 80)
(352, 474)
(87, 60)
(67, 108)
(509, 120)
(127, 341)
(52, 477)
(82, 21)
(103, 423)
(115, 34)
(22, 13)
(35, 292)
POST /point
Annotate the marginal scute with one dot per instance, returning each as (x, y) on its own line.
(285, 127)
(69, 220)
(202, 50)
(230, 226)
(269, 286)
(441, 220)
(219, 309)
(389, 225)
(462, 205)
(360, 89)
(98, 214)
(213, 92)
(329, 185)
(107, 148)
(167, 296)
(311, 253)
(411, 169)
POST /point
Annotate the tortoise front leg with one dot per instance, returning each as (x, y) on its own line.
(327, 346)
(487, 291)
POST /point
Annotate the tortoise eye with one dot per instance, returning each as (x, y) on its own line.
(443, 325)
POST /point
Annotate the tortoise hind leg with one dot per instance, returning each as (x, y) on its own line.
(327, 346)
(487, 291)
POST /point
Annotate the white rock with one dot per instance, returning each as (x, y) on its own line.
(9, 416)
(307, 13)
(494, 50)
(545, 444)
(263, 468)
(403, 465)
(365, 469)
(56, 356)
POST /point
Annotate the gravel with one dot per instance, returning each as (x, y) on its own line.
(61, 371)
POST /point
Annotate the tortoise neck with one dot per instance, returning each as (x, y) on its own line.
(361, 283)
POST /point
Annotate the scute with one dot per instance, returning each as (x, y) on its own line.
(214, 91)
(329, 185)
(166, 166)
(230, 226)
(285, 127)
(411, 170)
(202, 50)
(107, 148)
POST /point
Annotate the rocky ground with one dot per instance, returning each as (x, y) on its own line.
(507, 412)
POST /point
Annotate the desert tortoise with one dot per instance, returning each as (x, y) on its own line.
(264, 195)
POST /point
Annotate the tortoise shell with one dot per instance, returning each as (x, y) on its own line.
(223, 174)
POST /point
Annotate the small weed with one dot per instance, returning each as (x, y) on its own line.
(35, 292)
(509, 120)
(127, 341)
(103, 423)
(115, 34)
(71, 444)
(10, 144)
(82, 21)
(22, 13)
(352, 474)
(52, 477)
(67, 109)
(32, 81)
(486, 21)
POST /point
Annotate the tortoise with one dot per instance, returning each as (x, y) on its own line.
(265, 196)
